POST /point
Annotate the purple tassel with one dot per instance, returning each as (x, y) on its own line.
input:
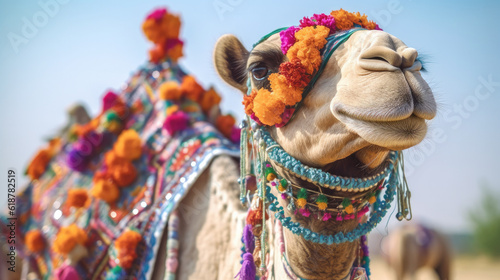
(248, 239)
(247, 271)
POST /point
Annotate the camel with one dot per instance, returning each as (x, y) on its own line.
(414, 246)
(369, 100)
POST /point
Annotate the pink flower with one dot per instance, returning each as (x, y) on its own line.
(172, 43)
(287, 37)
(305, 22)
(157, 14)
(255, 118)
(284, 196)
(235, 134)
(319, 19)
(176, 122)
(109, 100)
(326, 21)
(286, 116)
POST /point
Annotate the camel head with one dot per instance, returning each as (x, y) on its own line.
(339, 98)
(370, 98)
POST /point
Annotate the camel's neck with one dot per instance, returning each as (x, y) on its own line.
(310, 260)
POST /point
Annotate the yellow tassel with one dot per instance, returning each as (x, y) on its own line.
(322, 205)
(301, 202)
(349, 209)
(372, 200)
(271, 177)
(172, 109)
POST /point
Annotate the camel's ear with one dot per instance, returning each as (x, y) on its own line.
(230, 59)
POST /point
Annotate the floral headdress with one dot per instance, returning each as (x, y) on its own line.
(303, 46)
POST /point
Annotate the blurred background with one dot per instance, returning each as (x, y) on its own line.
(54, 53)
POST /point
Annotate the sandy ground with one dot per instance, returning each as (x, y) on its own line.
(464, 268)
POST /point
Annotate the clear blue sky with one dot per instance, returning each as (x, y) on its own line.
(86, 47)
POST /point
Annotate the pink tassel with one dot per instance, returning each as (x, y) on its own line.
(349, 217)
(66, 272)
(326, 216)
(248, 270)
(235, 135)
(339, 217)
(176, 122)
(305, 212)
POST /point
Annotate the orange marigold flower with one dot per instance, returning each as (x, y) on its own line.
(313, 36)
(307, 48)
(268, 108)
(225, 124)
(310, 57)
(68, 237)
(283, 91)
(370, 25)
(154, 31)
(356, 18)
(190, 88)
(175, 52)
(126, 246)
(124, 174)
(295, 74)
(105, 190)
(248, 102)
(120, 109)
(34, 241)
(157, 53)
(127, 259)
(77, 198)
(83, 129)
(342, 21)
(38, 164)
(170, 26)
(128, 145)
(170, 91)
(128, 240)
(112, 159)
(102, 175)
(209, 99)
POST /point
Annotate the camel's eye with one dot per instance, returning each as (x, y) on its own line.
(260, 73)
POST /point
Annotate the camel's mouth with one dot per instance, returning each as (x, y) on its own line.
(354, 168)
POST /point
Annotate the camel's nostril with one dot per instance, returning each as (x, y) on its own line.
(409, 56)
(380, 58)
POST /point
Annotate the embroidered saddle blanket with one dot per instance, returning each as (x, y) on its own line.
(168, 167)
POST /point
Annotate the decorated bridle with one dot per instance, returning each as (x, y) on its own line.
(265, 165)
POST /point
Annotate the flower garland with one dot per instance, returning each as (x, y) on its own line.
(191, 97)
(118, 170)
(91, 137)
(41, 160)
(162, 28)
(35, 242)
(302, 46)
(126, 245)
(67, 238)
